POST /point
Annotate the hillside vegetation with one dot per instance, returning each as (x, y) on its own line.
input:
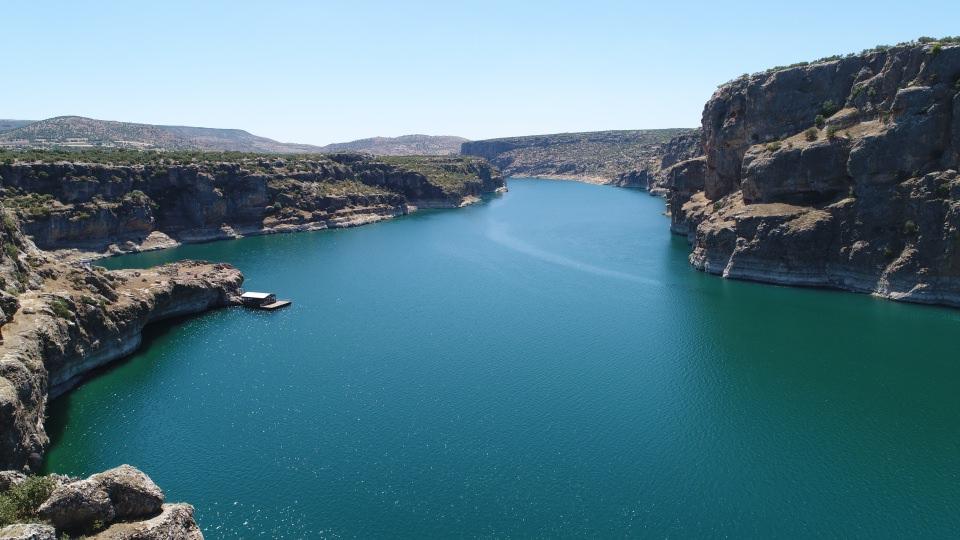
(600, 156)
(405, 145)
(84, 133)
(80, 132)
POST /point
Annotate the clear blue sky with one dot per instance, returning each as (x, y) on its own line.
(319, 72)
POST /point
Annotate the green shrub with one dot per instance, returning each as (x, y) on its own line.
(20, 503)
(832, 132)
(829, 108)
(936, 49)
(773, 147)
(61, 308)
(811, 134)
(910, 227)
(819, 121)
(11, 250)
(9, 224)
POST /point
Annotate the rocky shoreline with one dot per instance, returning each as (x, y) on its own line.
(96, 205)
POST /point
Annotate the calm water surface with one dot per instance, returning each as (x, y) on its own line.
(544, 364)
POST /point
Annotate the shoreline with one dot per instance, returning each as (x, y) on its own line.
(158, 240)
(63, 331)
(594, 180)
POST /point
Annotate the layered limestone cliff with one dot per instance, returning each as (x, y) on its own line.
(840, 173)
(126, 201)
(59, 321)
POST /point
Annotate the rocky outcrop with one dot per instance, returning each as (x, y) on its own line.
(175, 521)
(121, 503)
(121, 201)
(841, 173)
(653, 174)
(68, 319)
(28, 531)
(122, 493)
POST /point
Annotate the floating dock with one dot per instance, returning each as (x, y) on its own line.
(263, 300)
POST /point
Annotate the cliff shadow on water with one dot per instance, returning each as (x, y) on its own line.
(155, 334)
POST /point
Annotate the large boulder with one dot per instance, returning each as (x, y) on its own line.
(120, 493)
(131, 491)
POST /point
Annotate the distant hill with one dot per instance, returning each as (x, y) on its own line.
(598, 156)
(80, 132)
(402, 146)
(7, 124)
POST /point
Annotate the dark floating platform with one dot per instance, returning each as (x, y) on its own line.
(261, 300)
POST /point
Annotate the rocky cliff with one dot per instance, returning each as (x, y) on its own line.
(599, 157)
(58, 321)
(126, 201)
(841, 173)
(654, 174)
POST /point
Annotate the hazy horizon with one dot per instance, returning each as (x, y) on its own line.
(474, 70)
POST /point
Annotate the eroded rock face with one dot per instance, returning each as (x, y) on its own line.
(655, 174)
(73, 318)
(97, 207)
(868, 201)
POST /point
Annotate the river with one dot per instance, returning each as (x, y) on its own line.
(545, 363)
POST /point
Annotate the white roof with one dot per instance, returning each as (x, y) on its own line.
(255, 295)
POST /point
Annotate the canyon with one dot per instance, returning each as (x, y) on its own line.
(841, 173)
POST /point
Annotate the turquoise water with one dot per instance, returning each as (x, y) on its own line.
(543, 364)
